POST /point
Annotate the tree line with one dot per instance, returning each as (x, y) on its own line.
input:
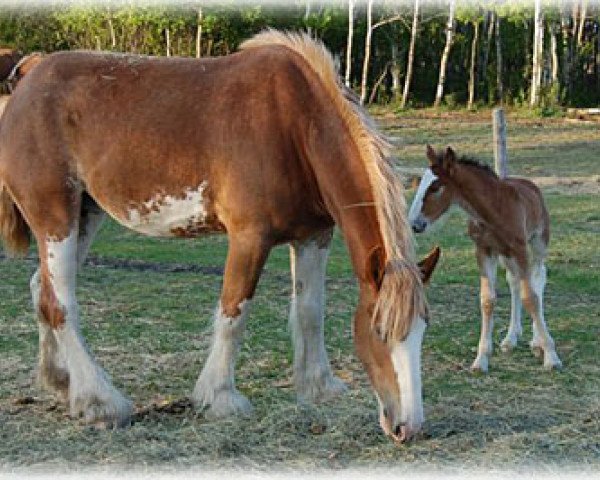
(443, 53)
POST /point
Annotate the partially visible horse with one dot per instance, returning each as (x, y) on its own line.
(508, 221)
(264, 145)
(9, 57)
(19, 69)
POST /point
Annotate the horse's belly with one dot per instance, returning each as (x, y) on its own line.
(184, 215)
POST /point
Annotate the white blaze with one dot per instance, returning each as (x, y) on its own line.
(415, 209)
(406, 358)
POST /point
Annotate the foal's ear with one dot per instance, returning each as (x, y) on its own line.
(428, 264)
(431, 156)
(449, 161)
(376, 267)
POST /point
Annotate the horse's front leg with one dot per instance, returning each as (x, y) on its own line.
(488, 263)
(313, 378)
(215, 389)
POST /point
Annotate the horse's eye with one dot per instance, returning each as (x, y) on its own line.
(434, 187)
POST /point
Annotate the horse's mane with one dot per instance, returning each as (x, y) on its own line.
(472, 162)
(401, 296)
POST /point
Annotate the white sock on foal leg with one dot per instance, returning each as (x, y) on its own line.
(215, 388)
(514, 328)
(488, 266)
(313, 378)
(541, 335)
(91, 393)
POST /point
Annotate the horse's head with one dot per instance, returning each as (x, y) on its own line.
(390, 352)
(435, 193)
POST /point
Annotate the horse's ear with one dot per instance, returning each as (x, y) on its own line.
(431, 156)
(428, 264)
(376, 267)
(449, 161)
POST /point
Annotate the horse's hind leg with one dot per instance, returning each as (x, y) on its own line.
(312, 371)
(52, 369)
(90, 392)
(514, 328)
(535, 306)
(215, 388)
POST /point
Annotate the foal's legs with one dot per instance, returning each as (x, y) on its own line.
(312, 371)
(215, 388)
(514, 328)
(52, 370)
(535, 306)
(488, 263)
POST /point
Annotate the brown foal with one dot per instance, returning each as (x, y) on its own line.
(508, 221)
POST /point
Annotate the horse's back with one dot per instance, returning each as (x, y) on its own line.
(137, 129)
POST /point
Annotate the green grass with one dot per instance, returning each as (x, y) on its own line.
(151, 330)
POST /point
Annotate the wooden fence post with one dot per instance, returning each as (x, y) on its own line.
(500, 155)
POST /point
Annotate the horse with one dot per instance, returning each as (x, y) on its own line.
(508, 222)
(9, 57)
(21, 68)
(264, 145)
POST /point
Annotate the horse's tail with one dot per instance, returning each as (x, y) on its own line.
(401, 297)
(14, 231)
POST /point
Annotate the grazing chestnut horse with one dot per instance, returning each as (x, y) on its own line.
(264, 145)
(508, 221)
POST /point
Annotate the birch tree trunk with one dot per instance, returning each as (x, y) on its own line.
(411, 55)
(199, 34)
(473, 68)
(349, 42)
(111, 29)
(499, 83)
(367, 59)
(444, 62)
(554, 54)
(538, 44)
(307, 16)
(168, 38)
(395, 71)
(489, 27)
(582, 15)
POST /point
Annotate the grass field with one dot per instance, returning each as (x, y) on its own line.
(146, 306)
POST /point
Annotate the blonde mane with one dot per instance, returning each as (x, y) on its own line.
(401, 296)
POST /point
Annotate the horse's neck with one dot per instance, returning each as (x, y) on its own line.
(477, 192)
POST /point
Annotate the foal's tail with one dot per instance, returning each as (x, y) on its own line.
(14, 232)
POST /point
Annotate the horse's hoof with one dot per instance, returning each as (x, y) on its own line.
(222, 404)
(552, 362)
(113, 412)
(480, 365)
(508, 344)
(321, 390)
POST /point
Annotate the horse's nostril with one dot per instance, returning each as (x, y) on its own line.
(398, 430)
(385, 412)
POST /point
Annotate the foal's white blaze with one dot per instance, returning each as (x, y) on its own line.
(164, 213)
(90, 391)
(415, 209)
(406, 358)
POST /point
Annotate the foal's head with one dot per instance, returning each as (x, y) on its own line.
(436, 192)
